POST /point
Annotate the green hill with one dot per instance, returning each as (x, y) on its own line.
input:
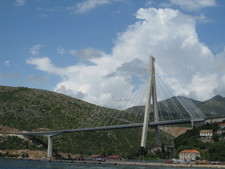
(29, 109)
(210, 150)
(40, 110)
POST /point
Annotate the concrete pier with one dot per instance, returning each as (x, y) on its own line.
(49, 152)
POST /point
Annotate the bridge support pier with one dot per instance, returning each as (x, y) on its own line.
(49, 152)
(197, 123)
(151, 96)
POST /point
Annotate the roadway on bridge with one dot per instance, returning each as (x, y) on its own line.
(59, 132)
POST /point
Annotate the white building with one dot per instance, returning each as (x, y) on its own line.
(206, 133)
(221, 131)
(222, 126)
(189, 155)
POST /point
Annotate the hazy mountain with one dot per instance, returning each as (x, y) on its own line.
(211, 108)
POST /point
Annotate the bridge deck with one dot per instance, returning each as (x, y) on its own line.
(53, 133)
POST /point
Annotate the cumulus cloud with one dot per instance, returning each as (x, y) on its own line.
(88, 5)
(35, 50)
(136, 66)
(203, 86)
(191, 5)
(45, 64)
(220, 61)
(167, 34)
(76, 94)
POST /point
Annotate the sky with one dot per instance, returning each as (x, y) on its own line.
(87, 48)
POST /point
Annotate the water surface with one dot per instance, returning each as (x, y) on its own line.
(25, 164)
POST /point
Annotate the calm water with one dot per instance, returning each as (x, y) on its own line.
(19, 164)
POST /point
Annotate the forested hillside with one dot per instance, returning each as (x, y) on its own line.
(40, 110)
(211, 150)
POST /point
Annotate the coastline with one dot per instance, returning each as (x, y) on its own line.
(129, 163)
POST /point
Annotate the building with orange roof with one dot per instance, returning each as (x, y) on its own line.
(96, 156)
(189, 155)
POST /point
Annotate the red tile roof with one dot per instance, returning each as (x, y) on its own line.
(190, 151)
(95, 155)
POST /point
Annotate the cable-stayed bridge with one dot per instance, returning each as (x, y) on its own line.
(174, 110)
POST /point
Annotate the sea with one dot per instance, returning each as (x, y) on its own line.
(26, 164)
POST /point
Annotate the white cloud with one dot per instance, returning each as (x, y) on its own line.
(167, 34)
(192, 5)
(203, 86)
(88, 5)
(220, 61)
(20, 2)
(45, 64)
(35, 50)
(60, 50)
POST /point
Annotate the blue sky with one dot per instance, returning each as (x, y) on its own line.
(87, 48)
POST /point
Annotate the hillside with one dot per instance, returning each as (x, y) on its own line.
(211, 149)
(40, 110)
(174, 131)
(213, 107)
(31, 109)
(25, 109)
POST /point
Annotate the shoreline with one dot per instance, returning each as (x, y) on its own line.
(125, 163)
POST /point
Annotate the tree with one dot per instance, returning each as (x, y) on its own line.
(216, 151)
(215, 137)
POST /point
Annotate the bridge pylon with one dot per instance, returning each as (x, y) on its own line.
(151, 96)
(49, 151)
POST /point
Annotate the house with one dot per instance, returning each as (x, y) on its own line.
(96, 157)
(206, 133)
(221, 129)
(155, 149)
(222, 126)
(189, 155)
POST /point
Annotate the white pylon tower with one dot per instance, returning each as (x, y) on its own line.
(151, 95)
